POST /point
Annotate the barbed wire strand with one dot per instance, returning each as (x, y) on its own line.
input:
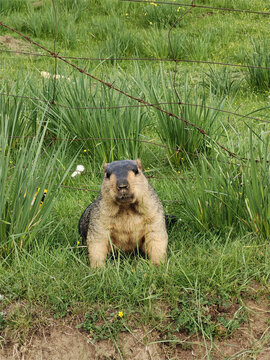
(52, 139)
(135, 106)
(177, 151)
(109, 58)
(199, 6)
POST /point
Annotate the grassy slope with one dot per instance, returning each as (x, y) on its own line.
(205, 268)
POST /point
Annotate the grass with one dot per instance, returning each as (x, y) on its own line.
(222, 82)
(98, 124)
(179, 136)
(237, 194)
(25, 179)
(219, 246)
(132, 285)
(259, 78)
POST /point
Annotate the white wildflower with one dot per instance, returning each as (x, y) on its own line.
(78, 171)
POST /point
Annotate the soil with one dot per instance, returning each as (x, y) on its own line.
(61, 340)
(14, 44)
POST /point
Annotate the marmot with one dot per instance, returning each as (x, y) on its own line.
(127, 214)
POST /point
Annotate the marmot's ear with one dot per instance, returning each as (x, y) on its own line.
(139, 164)
(105, 166)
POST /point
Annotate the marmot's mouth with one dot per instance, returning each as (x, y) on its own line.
(124, 198)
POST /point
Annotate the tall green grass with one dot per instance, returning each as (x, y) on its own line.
(226, 194)
(222, 195)
(24, 113)
(27, 170)
(176, 134)
(222, 82)
(257, 78)
(257, 185)
(159, 15)
(7, 6)
(121, 44)
(113, 133)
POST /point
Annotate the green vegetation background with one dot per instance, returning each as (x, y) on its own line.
(219, 246)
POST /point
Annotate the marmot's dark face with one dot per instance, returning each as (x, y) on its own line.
(120, 179)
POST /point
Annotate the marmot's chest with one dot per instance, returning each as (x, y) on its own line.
(127, 230)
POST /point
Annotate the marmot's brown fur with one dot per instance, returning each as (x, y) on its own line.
(127, 214)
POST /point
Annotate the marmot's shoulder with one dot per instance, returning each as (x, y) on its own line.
(91, 211)
(154, 199)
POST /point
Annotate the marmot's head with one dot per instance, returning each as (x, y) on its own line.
(123, 181)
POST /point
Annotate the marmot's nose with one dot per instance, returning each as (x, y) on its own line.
(122, 185)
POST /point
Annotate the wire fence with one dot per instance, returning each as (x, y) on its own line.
(152, 59)
(135, 106)
(192, 5)
(138, 102)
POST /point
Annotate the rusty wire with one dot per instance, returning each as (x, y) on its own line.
(199, 6)
(135, 106)
(139, 59)
(52, 139)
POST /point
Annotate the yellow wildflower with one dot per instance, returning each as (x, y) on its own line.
(120, 314)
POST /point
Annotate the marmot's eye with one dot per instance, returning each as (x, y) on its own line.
(108, 175)
(136, 171)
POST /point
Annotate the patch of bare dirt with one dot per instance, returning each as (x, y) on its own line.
(62, 341)
(59, 343)
(37, 3)
(14, 44)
